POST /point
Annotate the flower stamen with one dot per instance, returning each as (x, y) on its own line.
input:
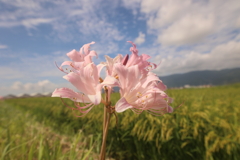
(100, 80)
(139, 94)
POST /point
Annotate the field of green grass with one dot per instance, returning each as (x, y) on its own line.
(206, 126)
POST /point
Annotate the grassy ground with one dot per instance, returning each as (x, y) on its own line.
(22, 137)
(206, 126)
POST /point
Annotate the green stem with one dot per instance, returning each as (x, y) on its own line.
(105, 133)
(105, 110)
(104, 119)
(105, 125)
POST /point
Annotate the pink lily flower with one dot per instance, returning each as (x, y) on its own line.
(84, 55)
(86, 80)
(84, 75)
(110, 64)
(135, 59)
(141, 92)
(140, 89)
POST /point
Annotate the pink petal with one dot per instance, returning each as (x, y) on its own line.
(75, 56)
(132, 73)
(110, 81)
(122, 105)
(65, 63)
(85, 48)
(76, 81)
(88, 57)
(99, 68)
(134, 48)
(150, 78)
(159, 104)
(145, 57)
(93, 53)
(169, 109)
(84, 112)
(169, 99)
(68, 93)
(77, 65)
(161, 86)
(60, 68)
(95, 99)
(90, 75)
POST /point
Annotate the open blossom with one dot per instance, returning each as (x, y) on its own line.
(134, 59)
(141, 92)
(140, 61)
(140, 89)
(110, 64)
(84, 55)
(84, 75)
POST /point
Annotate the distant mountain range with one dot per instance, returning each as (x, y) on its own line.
(206, 77)
(10, 96)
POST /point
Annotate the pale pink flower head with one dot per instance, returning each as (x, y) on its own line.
(110, 64)
(84, 76)
(128, 61)
(84, 55)
(85, 80)
(140, 89)
(141, 92)
(140, 61)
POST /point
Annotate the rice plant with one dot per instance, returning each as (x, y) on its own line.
(206, 126)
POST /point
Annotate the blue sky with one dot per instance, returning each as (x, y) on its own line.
(184, 36)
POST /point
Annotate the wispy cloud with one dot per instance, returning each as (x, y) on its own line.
(39, 87)
(8, 72)
(140, 39)
(190, 29)
(68, 20)
(33, 22)
(3, 46)
(193, 22)
(222, 56)
(33, 87)
(188, 34)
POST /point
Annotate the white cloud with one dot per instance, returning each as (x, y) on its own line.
(185, 22)
(39, 87)
(17, 85)
(44, 83)
(104, 49)
(150, 6)
(162, 14)
(140, 39)
(32, 22)
(68, 20)
(237, 38)
(29, 68)
(23, 3)
(222, 56)
(238, 22)
(133, 4)
(3, 46)
(43, 86)
(10, 73)
(189, 29)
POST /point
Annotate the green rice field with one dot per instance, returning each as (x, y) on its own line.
(206, 126)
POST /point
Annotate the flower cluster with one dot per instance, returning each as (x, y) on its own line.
(140, 89)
